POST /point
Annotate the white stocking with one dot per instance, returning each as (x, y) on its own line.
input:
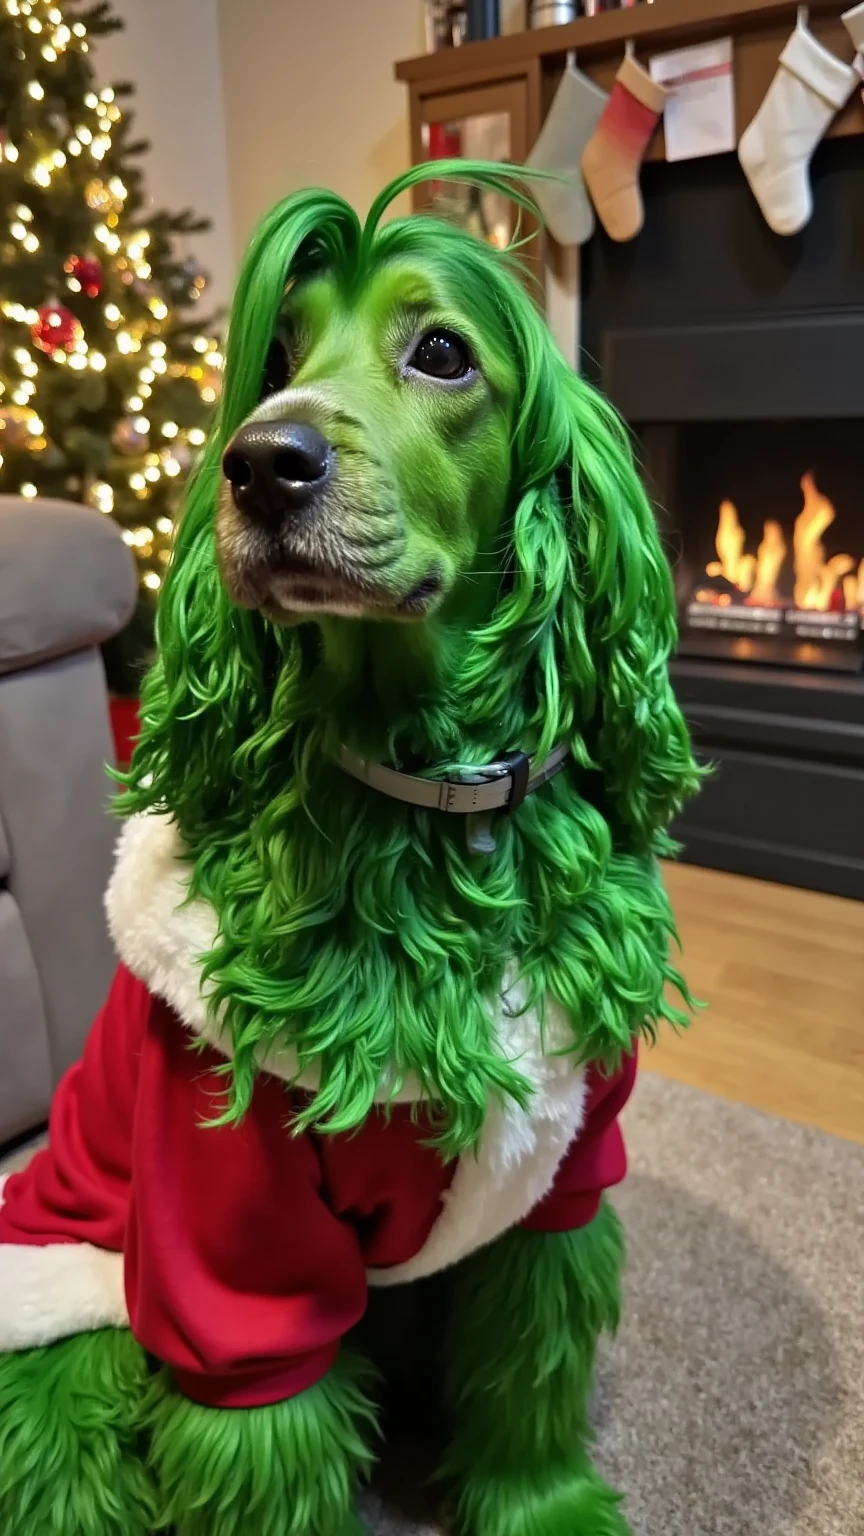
(810, 86)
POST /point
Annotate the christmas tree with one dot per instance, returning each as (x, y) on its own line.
(107, 375)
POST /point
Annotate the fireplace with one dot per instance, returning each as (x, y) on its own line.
(773, 563)
(737, 357)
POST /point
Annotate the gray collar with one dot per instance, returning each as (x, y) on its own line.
(498, 786)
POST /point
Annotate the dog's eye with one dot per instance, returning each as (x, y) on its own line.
(441, 355)
(276, 370)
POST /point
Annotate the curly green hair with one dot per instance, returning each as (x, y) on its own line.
(361, 932)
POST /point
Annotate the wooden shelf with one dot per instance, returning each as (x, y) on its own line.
(666, 23)
(759, 29)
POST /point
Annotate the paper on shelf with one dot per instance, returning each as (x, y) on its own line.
(699, 116)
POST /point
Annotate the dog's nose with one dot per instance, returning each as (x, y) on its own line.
(275, 467)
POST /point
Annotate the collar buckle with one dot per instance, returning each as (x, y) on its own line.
(519, 767)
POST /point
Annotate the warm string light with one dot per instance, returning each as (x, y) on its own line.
(128, 339)
(107, 238)
(103, 496)
(57, 35)
(19, 313)
(138, 538)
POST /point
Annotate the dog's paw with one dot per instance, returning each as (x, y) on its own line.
(578, 1505)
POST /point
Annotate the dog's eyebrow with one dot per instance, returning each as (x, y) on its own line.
(416, 310)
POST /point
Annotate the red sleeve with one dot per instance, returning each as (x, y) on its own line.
(77, 1189)
(596, 1159)
(238, 1274)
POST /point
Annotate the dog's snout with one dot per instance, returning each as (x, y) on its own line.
(275, 467)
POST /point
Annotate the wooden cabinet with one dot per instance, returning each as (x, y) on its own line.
(478, 122)
(480, 115)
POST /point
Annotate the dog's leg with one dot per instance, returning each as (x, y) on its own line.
(288, 1469)
(72, 1453)
(527, 1314)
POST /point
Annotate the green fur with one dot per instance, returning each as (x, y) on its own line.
(527, 1314)
(574, 1504)
(288, 1469)
(359, 931)
(71, 1461)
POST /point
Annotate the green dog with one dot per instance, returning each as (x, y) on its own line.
(390, 920)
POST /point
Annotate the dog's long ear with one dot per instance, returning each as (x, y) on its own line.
(615, 616)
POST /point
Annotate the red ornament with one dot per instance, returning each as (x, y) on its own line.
(57, 328)
(88, 272)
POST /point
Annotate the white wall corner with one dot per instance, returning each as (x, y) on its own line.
(169, 51)
(562, 298)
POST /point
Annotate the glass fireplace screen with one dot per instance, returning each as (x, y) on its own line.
(770, 518)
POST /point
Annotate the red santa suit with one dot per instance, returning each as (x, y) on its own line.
(241, 1255)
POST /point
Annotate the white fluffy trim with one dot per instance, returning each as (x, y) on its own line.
(51, 1292)
(516, 1161)
(161, 937)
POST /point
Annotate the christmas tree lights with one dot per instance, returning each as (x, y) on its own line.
(107, 376)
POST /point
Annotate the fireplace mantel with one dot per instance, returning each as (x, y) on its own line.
(759, 28)
(807, 366)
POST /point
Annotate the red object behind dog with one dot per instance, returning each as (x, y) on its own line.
(124, 729)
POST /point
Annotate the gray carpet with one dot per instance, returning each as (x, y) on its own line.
(732, 1401)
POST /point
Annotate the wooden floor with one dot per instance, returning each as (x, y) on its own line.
(783, 973)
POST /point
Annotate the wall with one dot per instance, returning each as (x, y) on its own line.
(169, 50)
(245, 100)
(310, 97)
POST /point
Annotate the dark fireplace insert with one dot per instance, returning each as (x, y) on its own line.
(772, 563)
(737, 357)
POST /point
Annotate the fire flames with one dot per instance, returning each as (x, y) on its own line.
(820, 583)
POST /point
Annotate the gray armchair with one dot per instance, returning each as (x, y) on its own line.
(67, 583)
